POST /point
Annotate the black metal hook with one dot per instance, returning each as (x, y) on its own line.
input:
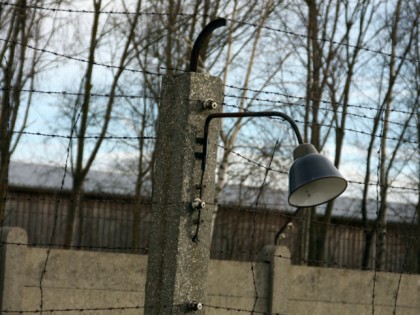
(205, 33)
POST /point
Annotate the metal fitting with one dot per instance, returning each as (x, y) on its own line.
(195, 306)
(198, 204)
(210, 104)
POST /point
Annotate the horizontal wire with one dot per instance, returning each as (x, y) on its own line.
(320, 108)
(128, 200)
(252, 161)
(384, 186)
(81, 310)
(80, 59)
(266, 209)
(330, 126)
(137, 307)
(84, 137)
(289, 215)
(326, 41)
(107, 12)
(238, 310)
(262, 210)
(134, 96)
(224, 104)
(327, 263)
(311, 99)
(277, 30)
(86, 247)
(65, 93)
(286, 173)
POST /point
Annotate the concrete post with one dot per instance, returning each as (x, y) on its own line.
(12, 268)
(278, 257)
(177, 266)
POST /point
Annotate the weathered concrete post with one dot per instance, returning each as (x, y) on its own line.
(12, 268)
(177, 266)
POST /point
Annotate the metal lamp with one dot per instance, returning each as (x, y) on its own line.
(313, 179)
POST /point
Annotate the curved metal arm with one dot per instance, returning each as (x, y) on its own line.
(244, 114)
(205, 33)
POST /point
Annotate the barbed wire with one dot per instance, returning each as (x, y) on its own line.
(255, 25)
(326, 40)
(106, 12)
(50, 135)
(331, 126)
(228, 105)
(260, 211)
(239, 310)
(80, 310)
(135, 96)
(320, 108)
(322, 101)
(107, 66)
(69, 93)
(286, 173)
(136, 307)
(272, 209)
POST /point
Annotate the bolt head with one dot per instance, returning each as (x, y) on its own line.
(210, 104)
(198, 204)
(195, 306)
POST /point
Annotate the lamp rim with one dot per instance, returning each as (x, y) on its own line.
(315, 180)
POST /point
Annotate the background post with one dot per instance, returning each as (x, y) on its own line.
(12, 268)
(177, 266)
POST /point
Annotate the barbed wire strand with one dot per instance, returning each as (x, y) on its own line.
(29, 133)
(331, 126)
(262, 26)
(320, 108)
(302, 98)
(107, 66)
(135, 96)
(261, 210)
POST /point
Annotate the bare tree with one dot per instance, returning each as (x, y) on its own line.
(391, 71)
(345, 62)
(84, 157)
(20, 26)
(330, 53)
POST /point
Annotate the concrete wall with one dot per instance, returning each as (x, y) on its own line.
(324, 291)
(108, 283)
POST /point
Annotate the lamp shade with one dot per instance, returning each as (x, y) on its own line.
(313, 179)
